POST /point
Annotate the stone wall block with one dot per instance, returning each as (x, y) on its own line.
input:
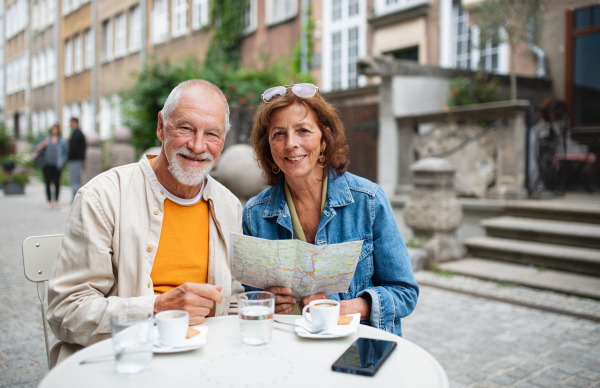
(433, 210)
(93, 157)
(122, 153)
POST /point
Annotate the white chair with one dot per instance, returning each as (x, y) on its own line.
(39, 253)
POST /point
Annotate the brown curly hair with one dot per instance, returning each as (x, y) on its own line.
(327, 116)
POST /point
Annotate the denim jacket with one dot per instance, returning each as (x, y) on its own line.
(61, 153)
(356, 209)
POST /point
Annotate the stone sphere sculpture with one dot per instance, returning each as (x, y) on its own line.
(238, 170)
(122, 135)
(92, 139)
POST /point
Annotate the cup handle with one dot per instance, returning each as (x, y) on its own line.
(304, 314)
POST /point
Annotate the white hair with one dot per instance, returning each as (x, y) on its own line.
(175, 96)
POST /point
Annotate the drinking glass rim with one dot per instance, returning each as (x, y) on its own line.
(244, 295)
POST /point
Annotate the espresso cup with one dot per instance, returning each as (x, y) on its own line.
(324, 314)
(172, 327)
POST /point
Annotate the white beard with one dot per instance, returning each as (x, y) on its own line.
(190, 176)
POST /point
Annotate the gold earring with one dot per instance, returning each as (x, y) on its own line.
(275, 172)
(322, 159)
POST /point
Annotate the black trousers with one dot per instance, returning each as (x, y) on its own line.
(52, 175)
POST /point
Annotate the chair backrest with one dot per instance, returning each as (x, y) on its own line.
(39, 254)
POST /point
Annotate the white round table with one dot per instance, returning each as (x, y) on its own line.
(288, 361)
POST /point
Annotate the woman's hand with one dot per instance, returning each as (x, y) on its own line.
(284, 302)
(307, 299)
(360, 305)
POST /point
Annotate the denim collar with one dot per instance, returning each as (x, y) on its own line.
(338, 194)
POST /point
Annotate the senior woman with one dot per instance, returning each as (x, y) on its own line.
(300, 145)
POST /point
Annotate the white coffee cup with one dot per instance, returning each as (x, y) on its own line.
(172, 327)
(324, 314)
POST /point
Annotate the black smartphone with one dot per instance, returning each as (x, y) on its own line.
(364, 356)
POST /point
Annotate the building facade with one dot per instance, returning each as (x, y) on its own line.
(67, 58)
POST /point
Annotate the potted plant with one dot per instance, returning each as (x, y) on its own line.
(3, 178)
(16, 178)
(16, 184)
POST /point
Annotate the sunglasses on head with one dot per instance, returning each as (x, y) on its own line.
(300, 90)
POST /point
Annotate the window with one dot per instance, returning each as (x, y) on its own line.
(409, 54)
(160, 21)
(35, 123)
(120, 35)
(200, 13)
(251, 17)
(51, 14)
(68, 57)
(16, 18)
(107, 40)
(35, 16)
(352, 7)
(336, 63)
(51, 65)
(135, 28)
(488, 57)
(50, 118)
(44, 17)
(278, 11)
(105, 116)
(41, 70)
(344, 43)
(89, 49)
(352, 57)
(383, 7)
(66, 116)
(86, 122)
(462, 57)
(336, 10)
(35, 68)
(65, 7)
(78, 53)
(179, 17)
(24, 74)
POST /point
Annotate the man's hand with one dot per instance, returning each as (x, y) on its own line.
(284, 302)
(307, 299)
(196, 299)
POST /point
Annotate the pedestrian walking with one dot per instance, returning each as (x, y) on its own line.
(76, 155)
(55, 149)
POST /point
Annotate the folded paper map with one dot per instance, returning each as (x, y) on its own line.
(305, 268)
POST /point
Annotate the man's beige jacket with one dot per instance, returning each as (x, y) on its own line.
(108, 249)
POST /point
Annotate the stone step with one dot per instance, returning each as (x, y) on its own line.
(530, 276)
(555, 232)
(573, 259)
(552, 210)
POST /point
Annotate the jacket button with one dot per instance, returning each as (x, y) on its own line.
(162, 192)
(149, 249)
(156, 212)
(149, 284)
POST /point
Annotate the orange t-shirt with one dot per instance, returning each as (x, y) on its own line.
(182, 254)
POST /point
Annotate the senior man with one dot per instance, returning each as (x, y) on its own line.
(150, 236)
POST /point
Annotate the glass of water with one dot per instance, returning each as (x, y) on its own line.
(256, 310)
(133, 337)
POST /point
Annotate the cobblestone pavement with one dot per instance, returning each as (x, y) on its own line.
(22, 351)
(488, 344)
(479, 342)
(552, 301)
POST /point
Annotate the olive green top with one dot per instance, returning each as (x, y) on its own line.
(298, 233)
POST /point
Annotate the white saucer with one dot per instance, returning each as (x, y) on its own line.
(339, 331)
(196, 342)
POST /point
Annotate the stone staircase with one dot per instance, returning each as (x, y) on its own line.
(542, 245)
